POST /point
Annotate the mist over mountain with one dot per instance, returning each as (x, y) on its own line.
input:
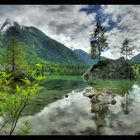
(37, 46)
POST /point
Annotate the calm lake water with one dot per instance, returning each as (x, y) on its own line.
(71, 115)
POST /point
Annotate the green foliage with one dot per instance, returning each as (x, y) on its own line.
(17, 87)
(55, 69)
(38, 65)
(39, 48)
(26, 129)
(14, 55)
(4, 74)
(1, 43)
(12, 105)
(3, 82)
(98, 41)
(136, 69)
(27, 81)
(65, 69)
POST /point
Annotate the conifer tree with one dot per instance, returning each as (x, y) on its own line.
(14, 55)
(126, 50)
(98, 41)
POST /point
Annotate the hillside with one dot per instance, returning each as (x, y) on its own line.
(37, 46)
(86, 57)
(135, 59)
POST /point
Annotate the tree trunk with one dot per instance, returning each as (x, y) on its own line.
(126, 56)
(99, 54)
(13, 59)
(99, 57)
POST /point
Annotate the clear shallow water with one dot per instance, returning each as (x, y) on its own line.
(72, 116)
(54, 88)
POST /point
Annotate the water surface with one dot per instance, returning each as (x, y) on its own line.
(72, 115)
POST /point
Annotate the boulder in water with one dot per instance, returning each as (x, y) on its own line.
(110, 69)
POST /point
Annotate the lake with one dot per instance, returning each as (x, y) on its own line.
(51, 112)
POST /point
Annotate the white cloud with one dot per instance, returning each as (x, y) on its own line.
(128, 27)
(63, 23)
(66, 24)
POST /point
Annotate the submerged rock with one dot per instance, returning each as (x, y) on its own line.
(110, 69)
(100, 99)
(66, 95)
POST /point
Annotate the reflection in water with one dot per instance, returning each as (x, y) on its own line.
(72, 115)
(125, 104)
(53, 89)
(121, 118)
(117, 86)
(127, 101)
(69, 115)
(100, 120)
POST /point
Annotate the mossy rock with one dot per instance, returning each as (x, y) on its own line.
(110, 69)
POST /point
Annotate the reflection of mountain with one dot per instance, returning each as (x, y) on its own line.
(86, 57)
(38, 46)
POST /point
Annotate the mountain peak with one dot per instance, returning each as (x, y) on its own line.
(5, 24)
(8, 23)
(8, 20)
(38, 47)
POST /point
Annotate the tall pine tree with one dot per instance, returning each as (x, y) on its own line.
(98, 41)
(14, 55)
(126, 50)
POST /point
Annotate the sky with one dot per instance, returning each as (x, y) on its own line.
(73, 24)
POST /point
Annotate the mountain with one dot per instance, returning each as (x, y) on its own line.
(38, 47)
(86, 57)
(135, 59)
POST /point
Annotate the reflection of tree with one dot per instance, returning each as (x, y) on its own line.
(100, 119)
(126, 102)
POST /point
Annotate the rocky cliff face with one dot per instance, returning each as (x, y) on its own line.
(110, 69)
